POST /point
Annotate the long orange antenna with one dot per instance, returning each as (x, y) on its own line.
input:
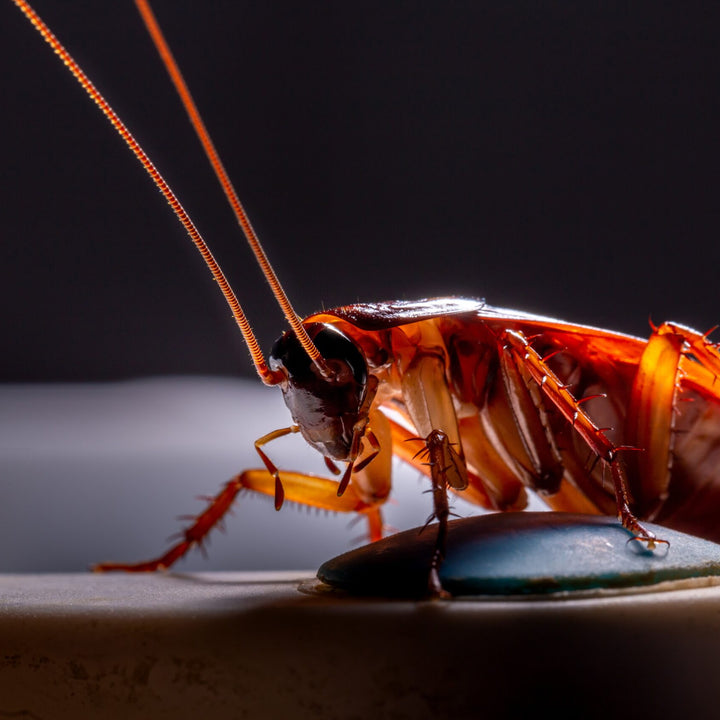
(266, 375)
(197, 122)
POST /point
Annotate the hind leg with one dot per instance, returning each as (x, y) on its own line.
(571, 408)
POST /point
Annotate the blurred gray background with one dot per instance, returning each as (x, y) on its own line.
(554, 157)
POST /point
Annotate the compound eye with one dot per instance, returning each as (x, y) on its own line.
(339, 352)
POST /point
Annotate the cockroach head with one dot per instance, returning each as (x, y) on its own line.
(325, 409)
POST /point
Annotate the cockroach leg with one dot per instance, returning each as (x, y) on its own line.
(571, 408)
(557, 393)
(194, 535)
(270, 465)
(360, 429)
(441, 457)
(303, 489)
(625, 515)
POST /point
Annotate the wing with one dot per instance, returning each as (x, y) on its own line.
(594, 343)
(393, 313)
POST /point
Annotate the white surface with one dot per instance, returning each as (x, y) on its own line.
(234, 645)
(93, 473)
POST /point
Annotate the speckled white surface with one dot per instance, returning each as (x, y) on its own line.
(252, 645)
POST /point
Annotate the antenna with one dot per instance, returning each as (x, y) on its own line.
(268, 376)
(196, 120)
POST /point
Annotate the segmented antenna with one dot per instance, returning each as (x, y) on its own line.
(266, 375)
(183, 91)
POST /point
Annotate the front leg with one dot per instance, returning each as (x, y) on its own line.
(365, 494)
(307, 490)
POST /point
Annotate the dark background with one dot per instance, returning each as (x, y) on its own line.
(560, 158)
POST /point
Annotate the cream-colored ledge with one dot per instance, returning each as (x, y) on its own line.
(258, 645)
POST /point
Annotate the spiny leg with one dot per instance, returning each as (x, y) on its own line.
(431, 408)
(706, 352)
(443, 461)
(304, 489)
(625, 515)
(571, 408)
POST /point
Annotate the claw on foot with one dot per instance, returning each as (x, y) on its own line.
(639, 533)
(650, 541)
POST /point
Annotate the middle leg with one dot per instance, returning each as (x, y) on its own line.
(442, 459)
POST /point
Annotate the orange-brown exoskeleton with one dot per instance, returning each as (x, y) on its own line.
(486, 402)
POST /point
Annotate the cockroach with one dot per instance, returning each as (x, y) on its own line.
(486, 402)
